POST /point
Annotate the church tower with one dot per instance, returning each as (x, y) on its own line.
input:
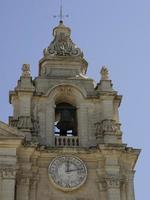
(64, 139)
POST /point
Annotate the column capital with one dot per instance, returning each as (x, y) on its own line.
(8, 172)
(113, 181)
(130, 175)
(110, 181)
(23, 180)
(34, 181)
(102, 185)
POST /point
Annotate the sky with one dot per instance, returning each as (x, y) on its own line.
(115, 33)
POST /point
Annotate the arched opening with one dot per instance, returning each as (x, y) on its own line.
(65, 120)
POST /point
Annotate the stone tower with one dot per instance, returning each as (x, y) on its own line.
(64, 139)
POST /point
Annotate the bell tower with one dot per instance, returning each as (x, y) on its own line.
(73, 146)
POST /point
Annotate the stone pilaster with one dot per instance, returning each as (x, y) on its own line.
(107, 106)
(50, 118)
(0, 187)
(123, 191)
(110, 187)
(130, 186)
(103, 189)
(82, 125)
(113, 187)
(23, 184)
(8, 175)
(42, 130)
(33, 189)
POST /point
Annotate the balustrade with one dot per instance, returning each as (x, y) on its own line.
(69, 141)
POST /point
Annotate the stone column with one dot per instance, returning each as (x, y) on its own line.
(50, 118)
(33, 189)
(25, 104)
(130, 186)
(8, 183)
(103, 189)
(23, 188)
(42, 130)
(82, 125)
(107, 107)
(0, 186)
(113, 188)
(123, 191)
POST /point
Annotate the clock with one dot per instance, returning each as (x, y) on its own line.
(67, 172)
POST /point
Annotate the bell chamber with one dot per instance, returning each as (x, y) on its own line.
(65, 120)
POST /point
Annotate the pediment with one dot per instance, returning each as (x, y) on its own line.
(9, 132)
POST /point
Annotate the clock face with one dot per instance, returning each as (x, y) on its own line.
(67, 172)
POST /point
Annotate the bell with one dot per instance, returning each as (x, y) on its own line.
(66, 122)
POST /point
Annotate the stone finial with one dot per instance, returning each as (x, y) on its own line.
(104, 73)
(26, 70)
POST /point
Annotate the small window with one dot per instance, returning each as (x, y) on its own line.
(65, 120)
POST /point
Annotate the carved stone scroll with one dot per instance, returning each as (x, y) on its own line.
(106, 126)
(62, 44)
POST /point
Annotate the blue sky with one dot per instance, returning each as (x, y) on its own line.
(110, 32)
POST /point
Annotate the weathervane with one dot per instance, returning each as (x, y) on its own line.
(61, 16)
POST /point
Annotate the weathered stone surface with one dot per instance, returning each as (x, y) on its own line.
(31, 140)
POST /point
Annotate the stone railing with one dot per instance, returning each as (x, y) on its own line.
(66, 141)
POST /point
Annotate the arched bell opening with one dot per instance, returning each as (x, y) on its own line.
(65, 120)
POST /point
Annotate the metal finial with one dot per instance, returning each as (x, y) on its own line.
(61, 11)
(61, 16)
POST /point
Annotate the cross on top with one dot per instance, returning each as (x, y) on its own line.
(61, 15)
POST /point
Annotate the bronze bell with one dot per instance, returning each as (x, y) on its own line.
(66, 122)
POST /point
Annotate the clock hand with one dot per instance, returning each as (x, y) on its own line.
(67, 165)
(72, 170)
